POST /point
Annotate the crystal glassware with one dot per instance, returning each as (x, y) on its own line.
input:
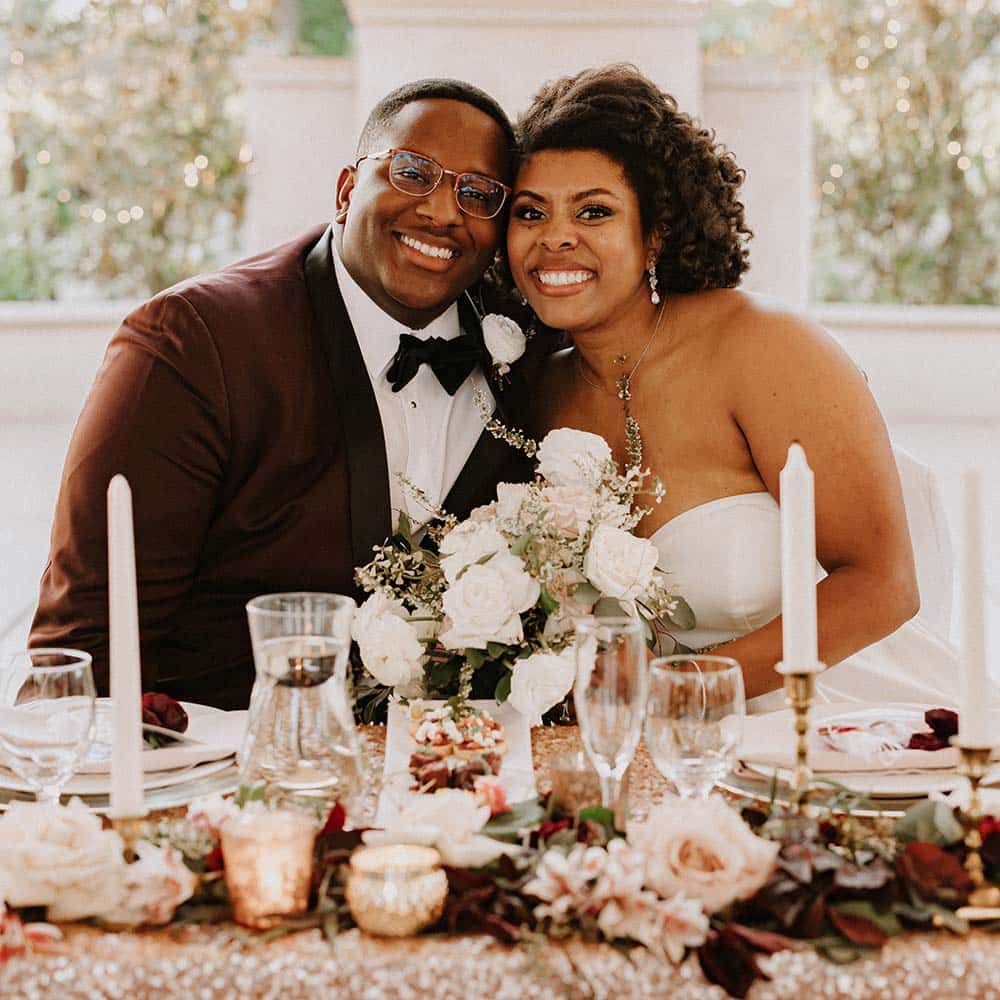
(47, 717)
(301, 740)
(610, 696)
(694, 719)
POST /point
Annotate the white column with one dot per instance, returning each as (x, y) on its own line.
(764, 115)
(300, 132)
(510, 48)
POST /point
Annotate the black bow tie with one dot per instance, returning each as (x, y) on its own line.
(450, 360)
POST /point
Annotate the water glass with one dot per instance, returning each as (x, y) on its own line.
(610, 696)
(301, 739)
(694, 719)
(47, 717)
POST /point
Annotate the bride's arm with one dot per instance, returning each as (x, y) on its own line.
(788, 380)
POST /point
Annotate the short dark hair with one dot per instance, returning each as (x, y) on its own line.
(686, 183)
(385, 111)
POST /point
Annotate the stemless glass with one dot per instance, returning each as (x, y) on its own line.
(694, 719)
(610, 696)
(301, 739)
(47, 717)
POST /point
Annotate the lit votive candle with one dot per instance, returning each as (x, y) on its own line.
(396, 890)
(268, 861)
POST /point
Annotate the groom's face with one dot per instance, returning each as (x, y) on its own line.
(414, 256)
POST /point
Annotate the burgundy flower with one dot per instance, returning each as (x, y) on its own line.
(334, 821)
(726, 960)
(936, 875)
(943, 721)
(213, 860)
(926, 741)
(162, 710)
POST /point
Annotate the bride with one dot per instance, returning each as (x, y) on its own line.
(626, 233)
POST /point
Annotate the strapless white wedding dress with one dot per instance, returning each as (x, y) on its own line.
(724, 556)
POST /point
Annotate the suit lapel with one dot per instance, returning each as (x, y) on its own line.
(491, 457)
(371, 521)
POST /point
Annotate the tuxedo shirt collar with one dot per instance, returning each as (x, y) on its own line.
(376, 331)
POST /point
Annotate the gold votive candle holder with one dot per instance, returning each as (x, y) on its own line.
(268, 859)
(576, 785)
(396, 890)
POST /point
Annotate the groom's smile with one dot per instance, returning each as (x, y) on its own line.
(415, 254)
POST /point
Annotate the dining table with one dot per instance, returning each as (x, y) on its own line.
(227, 962)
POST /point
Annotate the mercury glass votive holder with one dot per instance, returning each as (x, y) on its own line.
(576, 785)
(268, 859)
(396, 890)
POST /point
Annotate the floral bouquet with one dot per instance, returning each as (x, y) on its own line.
(486, 607)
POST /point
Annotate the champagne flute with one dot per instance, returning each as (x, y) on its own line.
(47, 717)
(694, 719)
(610, 696)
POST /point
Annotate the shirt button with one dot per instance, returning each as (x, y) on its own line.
(413, 404)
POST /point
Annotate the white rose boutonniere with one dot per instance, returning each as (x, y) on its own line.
(541, 681)
(705, 851)
(59, 857)
(504, 340)
(619, 564)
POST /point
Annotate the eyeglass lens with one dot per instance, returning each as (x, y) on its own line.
(476, 195)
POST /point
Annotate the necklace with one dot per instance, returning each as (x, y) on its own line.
(624, 382)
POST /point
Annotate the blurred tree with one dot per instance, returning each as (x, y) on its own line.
(907, 139)
(126, 166)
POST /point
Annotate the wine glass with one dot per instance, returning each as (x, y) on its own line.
(694, 719)
(610, 696)
(47, 717)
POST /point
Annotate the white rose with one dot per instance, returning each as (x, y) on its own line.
(510, 497)
(59, 857)
(705, 851)
(155, 885)
(449, 820)
(391, 650)
(568, 457)
(372, 609)
(485, 604)
(504, 340)
(568, 508)
(466, 544)
(540, 681)
(619, 564)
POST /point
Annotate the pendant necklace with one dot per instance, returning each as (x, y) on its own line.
(623, 382)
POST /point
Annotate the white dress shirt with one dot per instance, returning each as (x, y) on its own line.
(429, 435)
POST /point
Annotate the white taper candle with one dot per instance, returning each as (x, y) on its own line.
(126, 682)
(798, 566)
(973, 726)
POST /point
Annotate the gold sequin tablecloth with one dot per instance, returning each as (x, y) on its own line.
(218, 963)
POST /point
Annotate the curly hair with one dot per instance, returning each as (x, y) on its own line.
(686, 183)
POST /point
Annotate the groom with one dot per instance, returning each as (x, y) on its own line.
(264, 412)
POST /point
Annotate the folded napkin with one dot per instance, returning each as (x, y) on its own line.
(877, 743)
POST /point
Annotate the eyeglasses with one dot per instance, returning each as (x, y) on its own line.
(416, 175)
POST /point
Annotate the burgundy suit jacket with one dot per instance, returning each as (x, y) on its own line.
(239, 408)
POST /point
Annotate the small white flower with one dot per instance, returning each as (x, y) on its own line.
(155, 885)
(541, 681)
(568, 457)
(59, 857)
(619, 564)
(466, 544)
(510, 498)
(485, 603)
(504, 340)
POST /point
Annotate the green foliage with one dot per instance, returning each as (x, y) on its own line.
(907, 162)
(324, 28)
(122, 139)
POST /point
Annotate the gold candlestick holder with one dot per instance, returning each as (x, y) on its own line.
(984, 900)
(800, 689)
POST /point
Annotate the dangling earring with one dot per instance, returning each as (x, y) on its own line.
(654, 295)
(521, 297)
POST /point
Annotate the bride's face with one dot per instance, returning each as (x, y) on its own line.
(575, 240)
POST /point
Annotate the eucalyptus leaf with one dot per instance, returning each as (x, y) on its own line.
(502, 690)
(496, 649)
(930, 822)
(839, 954)
(549, 604)
(250, 793)
(520, 545)
(520, 816)
(886, 921)
(600, 815)
(475, 658)
(608, 607)
(586, 593)
(403, 526)
(681, 614)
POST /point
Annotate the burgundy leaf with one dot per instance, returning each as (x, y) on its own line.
(727, 961)
(810, 924)
(943, 721)
(766, 941)
(858, 930)
(991, 846)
